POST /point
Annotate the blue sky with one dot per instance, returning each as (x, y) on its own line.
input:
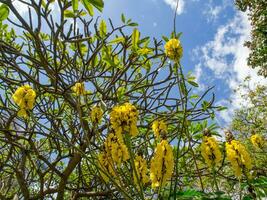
(213, 36)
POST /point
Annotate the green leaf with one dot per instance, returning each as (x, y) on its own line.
(247, 197)
(183, 89)
(83, 48)
(178, 35)
(75, 4)
(123, 18)
(144, 40)
(189, 193)
(165, 38)
(212, 115)
(133, 24)
(88, 7)
(120, 92)
(117, 40)
(193, 83)
(69, 14)
(43, 4)
(83, 13)
(4, 12)
(221, 108)
(135, 39)
(194, 96)
(102, 28)
(205, 105)
(98, 4)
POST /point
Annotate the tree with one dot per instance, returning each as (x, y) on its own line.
(252, 116)
(249, 122)
(94, 111)
(258, 45)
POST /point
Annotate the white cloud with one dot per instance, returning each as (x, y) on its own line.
(198, 73)
(212, 13)
(173, 4)
(212, 10)
(226, 57)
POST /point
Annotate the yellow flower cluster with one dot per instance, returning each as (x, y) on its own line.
(106, 165)
(257, 141)
(141, 170)
(79, 89)
(123, 119)
(116, 149)
(210, 151)
(24, 97)
(161, 164)
(115, 152)
(96, 115)
(174, 49)
(238, 156)
(159, 128)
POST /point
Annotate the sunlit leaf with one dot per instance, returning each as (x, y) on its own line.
(4, 12)
(88, 7)
(135, 39)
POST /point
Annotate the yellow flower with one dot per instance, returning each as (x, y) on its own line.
(24, 97)
(23, 113)
(79, 89)
(105, 164)
(257, 141)
(141, 170)
(123, 119)
(174, 49)
(115, 152)
(144, 51)
(116, 149)
(210, 151)
(161, 164)
(238, 156)
(159, 128)
(96, 115)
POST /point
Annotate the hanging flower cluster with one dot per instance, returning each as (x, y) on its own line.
(159, 128)
(210, 151)
(238, 157)
(115, 152)
(116, 149)
(96, 115)
(106, 165)
(24, 97)
(257, 141)
(161, 164)
(141, 170)
(174, 49)
(79, 89)
(123, 119)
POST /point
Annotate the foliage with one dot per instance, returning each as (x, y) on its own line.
(249, 124)
(101, 105)
(257, 11)
(252, 116)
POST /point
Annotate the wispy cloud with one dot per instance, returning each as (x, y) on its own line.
(198, 72)
(226, 57)
(173, 3)
(212, 11)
